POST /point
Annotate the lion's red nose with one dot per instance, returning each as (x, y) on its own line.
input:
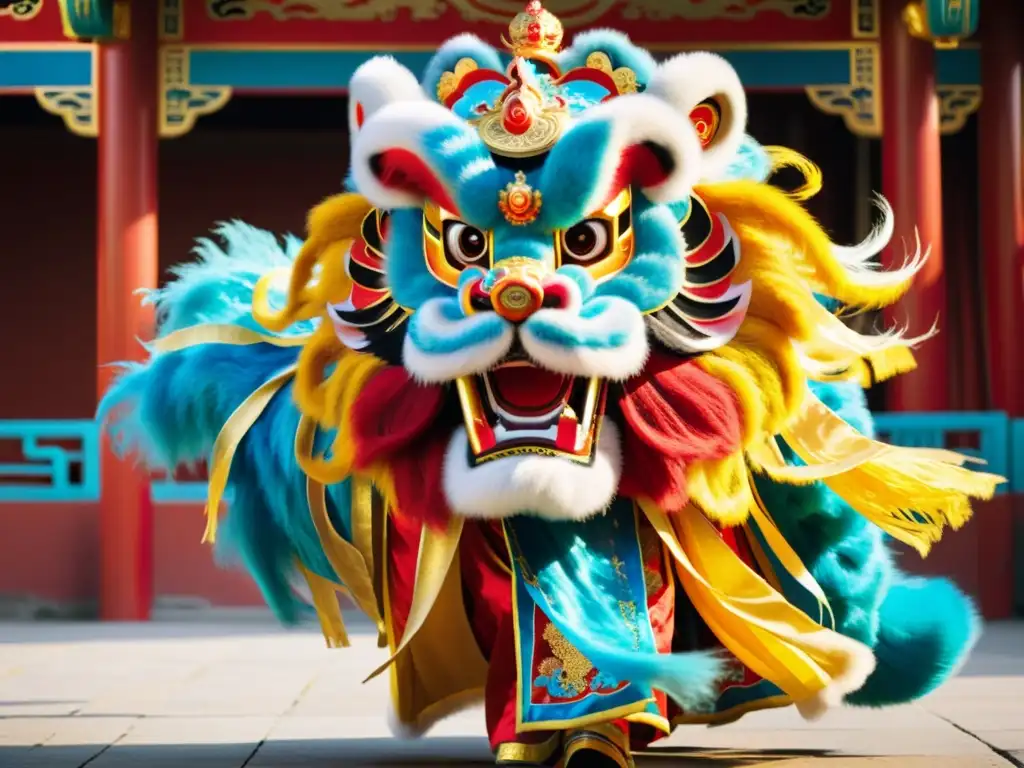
(516, 297)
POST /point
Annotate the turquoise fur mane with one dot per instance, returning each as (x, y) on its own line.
(169, 410)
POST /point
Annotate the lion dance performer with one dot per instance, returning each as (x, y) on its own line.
(558, 394)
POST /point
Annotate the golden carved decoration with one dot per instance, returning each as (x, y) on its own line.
(182, 103)
(542, 134)
(572, 13)
(865, 18)
(450, 80)
(956, 104)
(172, 21)
(856, 102)
(623, 77)
(23, 10)
(73, 105)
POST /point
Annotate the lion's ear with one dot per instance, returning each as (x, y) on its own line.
(704, 87)
(626, 141)
(375, 84)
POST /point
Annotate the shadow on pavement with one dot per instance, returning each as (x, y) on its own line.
(346, 753)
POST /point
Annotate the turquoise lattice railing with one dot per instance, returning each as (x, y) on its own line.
(58, 461)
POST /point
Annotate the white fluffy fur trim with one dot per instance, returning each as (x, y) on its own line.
(636, 119)
(377, 83)
(552, 488)
(684, 81)
(617, 364)
(396, 126)
(440, 368)
(860, 663)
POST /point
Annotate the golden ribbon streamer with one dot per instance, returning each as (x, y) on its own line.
(325, 601)
(787, 556)
(228, 440)
(346, 560)
(765, 632)
(910, 493)
(221, 333)
(436, 554)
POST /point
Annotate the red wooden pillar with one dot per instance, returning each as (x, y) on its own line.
(912, 182)
(1001, 187)
(126, 260)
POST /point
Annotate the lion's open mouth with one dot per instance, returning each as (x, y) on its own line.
(519, 409)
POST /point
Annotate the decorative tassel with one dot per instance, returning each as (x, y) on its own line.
(325, 602)
(910, 493)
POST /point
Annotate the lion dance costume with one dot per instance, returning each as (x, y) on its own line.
(559, 394)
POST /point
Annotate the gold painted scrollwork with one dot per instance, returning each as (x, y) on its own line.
(182, 103)
(21, 10)
(956, 104)
(326, 10)
(857, 101)
(73, 105)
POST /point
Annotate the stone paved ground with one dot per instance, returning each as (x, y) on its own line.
(189, 695)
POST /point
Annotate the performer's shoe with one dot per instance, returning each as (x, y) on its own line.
(602, 746)
(544, 754)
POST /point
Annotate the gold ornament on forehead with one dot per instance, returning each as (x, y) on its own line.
(518, 202)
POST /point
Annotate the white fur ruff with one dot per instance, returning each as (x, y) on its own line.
(441, 368)
(548, 487)
(617, 363)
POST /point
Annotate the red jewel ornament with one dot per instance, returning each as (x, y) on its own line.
(533, 31)
(515, 117)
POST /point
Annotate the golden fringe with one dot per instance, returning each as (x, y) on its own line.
(783, 157)
(910, 493)
(325, 603)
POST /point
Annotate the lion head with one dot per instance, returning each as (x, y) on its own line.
(545, 256)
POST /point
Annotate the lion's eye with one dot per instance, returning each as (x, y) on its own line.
(465, 244)
(586, 242)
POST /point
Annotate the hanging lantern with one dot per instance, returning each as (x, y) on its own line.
(944, 23)
(95, 19)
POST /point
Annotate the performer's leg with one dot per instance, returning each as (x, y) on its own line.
(487, 579)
